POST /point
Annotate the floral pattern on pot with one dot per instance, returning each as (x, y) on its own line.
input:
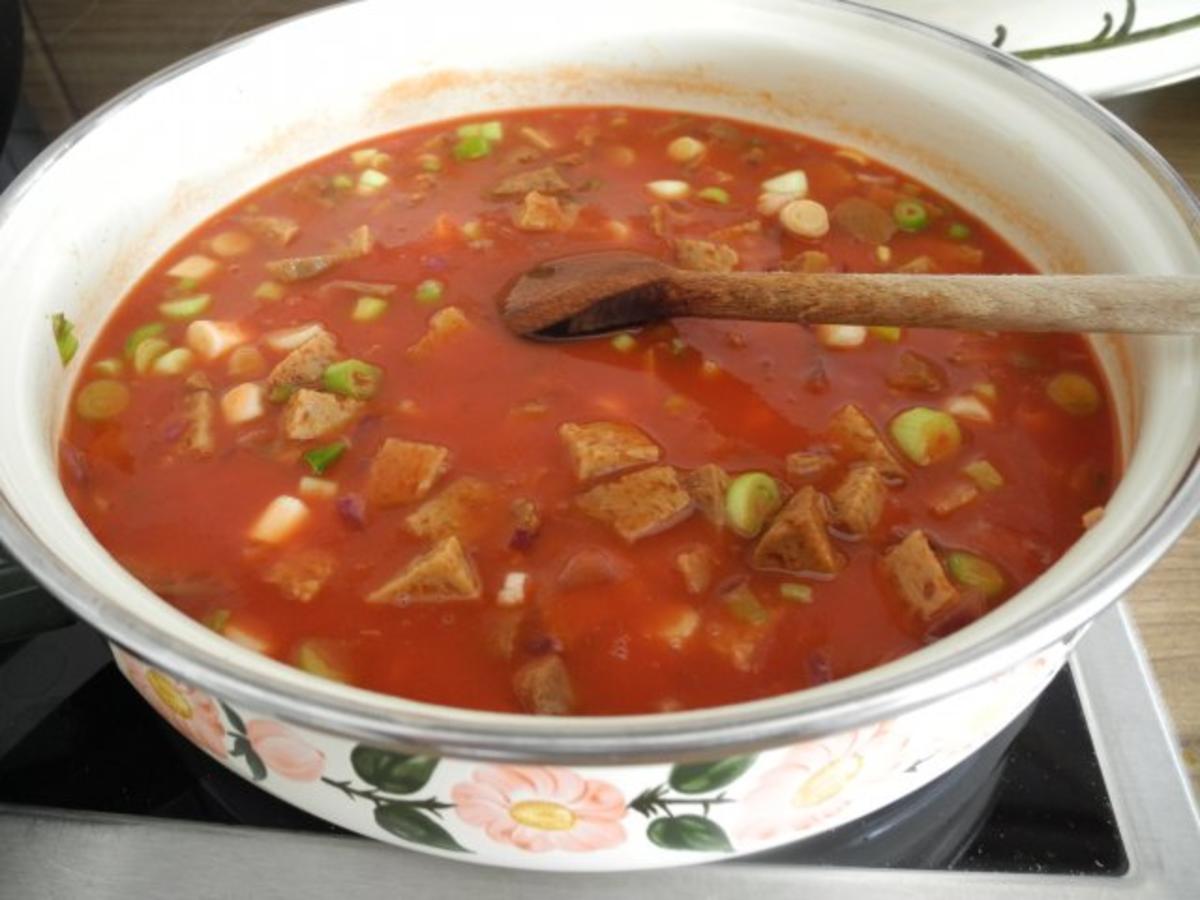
(596, 818)
(541, 808)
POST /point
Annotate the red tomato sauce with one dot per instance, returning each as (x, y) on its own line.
(742, 396)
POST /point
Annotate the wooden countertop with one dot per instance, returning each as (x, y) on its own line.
(81, 52)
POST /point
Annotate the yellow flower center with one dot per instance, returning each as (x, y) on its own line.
(828, 781)
(169, 694)
(543, 815)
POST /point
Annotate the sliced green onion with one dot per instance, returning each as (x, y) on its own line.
(797, 593)
(750, 500)
(310, 658)
(109, 368)
(1073, 393)
(173, 362)
(186, 285)
(975, 572)
(745, 606)
(321, 458)
(429, 291)
(910, 214)
(64, 337)
(142, 333)
(717, 195)
(472, 147)
(102, 399)
(281, 393)
(270, 290)
(958, 231)
(794, 182)
(926, 435)
(341, 182)
(371, 181)
(186, 307)
(889, 333)
(147, 352)
(368, 309)
(353, 378)
(624, 342)
(986, 476)
(492, 131)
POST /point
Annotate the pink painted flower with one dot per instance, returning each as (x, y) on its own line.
(819, 780)
(284, 752)
(193, 713)
(538, 808)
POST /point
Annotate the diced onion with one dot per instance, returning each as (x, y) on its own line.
(212, 339)
(174, 362)
(194, 268)
(371, 181)
(288, 339)
(281, 519)
(793, 183)
(669, 189)
(243, 403)
(231, 243)
(1073, 393)
(841, 336)
(317, 488)
(512, 593)
(965, 406)
(685, 150)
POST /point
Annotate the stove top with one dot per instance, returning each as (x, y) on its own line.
(1083, 797)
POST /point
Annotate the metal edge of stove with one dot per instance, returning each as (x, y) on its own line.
(54, 853)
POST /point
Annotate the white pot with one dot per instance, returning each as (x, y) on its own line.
(1064, 182)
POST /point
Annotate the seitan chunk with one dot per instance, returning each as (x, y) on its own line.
(591, 567)
(858, 500)
(696, 567)
(808, 465)
(545, 180)
(857, 438)
(914, 372)
(543, 686)
(953, 497)
(918, 576)
(312, 414)
(306, 363)
(300, 268)
(707, 486)
(301, 575)
(797, 540)
(705, 256)
(639, 504)
(442, 574)
(453, 511)
(278, 230)
(443, 325)
(542, 212)
(602, 448)
(404, 471)
(199, 413)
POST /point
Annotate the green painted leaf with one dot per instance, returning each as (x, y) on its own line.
(689, 832)
(697, 778)
(413, 825)
(258, 769)
(234, 719)
(395, 773)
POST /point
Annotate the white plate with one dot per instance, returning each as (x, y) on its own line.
(1100, 47)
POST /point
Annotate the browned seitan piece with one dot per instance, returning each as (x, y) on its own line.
(312, 414)
(545, 180)
(276, 229)
(300, 575)
(543, 686)
(696, 567)
(602, 448)
(542, 212)
(300, 268)
(404, 471)
(639, 504)
(441, 575)
(707, 486)
(199, 413)
(857, 437)
(914, 372)
(455, 510)
(443, 325)
(704, 256)
(918, 576)
(858, 500)
(306, 363)
(797, 540)
(953, 497)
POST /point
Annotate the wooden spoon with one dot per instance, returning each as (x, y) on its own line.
(597, 292)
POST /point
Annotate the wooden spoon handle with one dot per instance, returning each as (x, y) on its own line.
(1128, 303)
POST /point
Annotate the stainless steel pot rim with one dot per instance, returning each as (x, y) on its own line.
(848, 703)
